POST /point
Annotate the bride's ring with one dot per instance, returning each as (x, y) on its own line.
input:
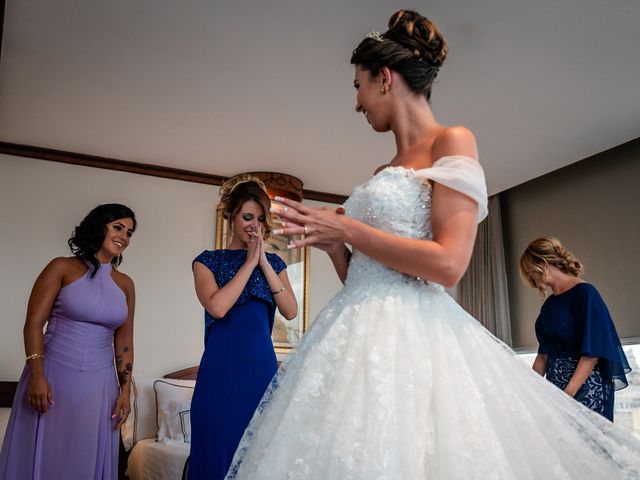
(306, 232)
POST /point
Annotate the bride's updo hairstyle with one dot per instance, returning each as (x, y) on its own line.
(412, 46)
(547, 251)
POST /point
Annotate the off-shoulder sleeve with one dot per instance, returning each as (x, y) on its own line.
(599, 336)
(462, 174)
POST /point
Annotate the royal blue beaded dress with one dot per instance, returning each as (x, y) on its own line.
(574, 324)
(236, 367)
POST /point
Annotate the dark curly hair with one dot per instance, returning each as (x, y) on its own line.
(88, 237)
(412, 46)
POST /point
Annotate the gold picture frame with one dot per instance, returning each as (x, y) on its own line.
(286, 333)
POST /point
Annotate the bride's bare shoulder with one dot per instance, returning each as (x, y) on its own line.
(455, 141)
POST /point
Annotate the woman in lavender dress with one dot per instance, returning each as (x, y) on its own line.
(69, 404)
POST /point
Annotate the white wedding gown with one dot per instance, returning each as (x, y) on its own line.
(395, 381)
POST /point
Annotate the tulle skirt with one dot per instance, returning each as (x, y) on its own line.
(403, 384)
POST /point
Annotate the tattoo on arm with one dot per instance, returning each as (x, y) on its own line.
(123, 369)
(124, 374)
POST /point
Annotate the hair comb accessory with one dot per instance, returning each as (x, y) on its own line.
(375, 35)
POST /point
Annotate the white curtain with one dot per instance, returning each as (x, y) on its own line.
(483, 290)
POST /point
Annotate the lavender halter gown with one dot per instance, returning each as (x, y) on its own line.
(75, 439)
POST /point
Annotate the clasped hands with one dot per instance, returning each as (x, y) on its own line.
(255, 248)
(324, 227)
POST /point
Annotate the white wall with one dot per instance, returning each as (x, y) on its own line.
(41, 202)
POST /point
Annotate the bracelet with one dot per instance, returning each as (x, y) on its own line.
(33, 356)
(279, 291)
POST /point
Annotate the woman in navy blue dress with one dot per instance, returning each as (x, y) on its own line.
(579, 348)
(240, 287)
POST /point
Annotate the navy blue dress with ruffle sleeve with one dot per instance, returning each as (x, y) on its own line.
(574, 324)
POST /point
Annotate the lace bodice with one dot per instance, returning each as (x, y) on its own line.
(398, 200)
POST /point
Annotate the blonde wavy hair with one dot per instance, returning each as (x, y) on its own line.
(236, 191)
(545, 251)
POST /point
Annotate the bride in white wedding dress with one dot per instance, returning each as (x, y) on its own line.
(394, 380)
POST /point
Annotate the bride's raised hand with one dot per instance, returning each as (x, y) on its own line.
(323, 227)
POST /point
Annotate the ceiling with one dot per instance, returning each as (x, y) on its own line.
(228, 86)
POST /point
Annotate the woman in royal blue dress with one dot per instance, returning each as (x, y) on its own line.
(240, 287)
(579, 349)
